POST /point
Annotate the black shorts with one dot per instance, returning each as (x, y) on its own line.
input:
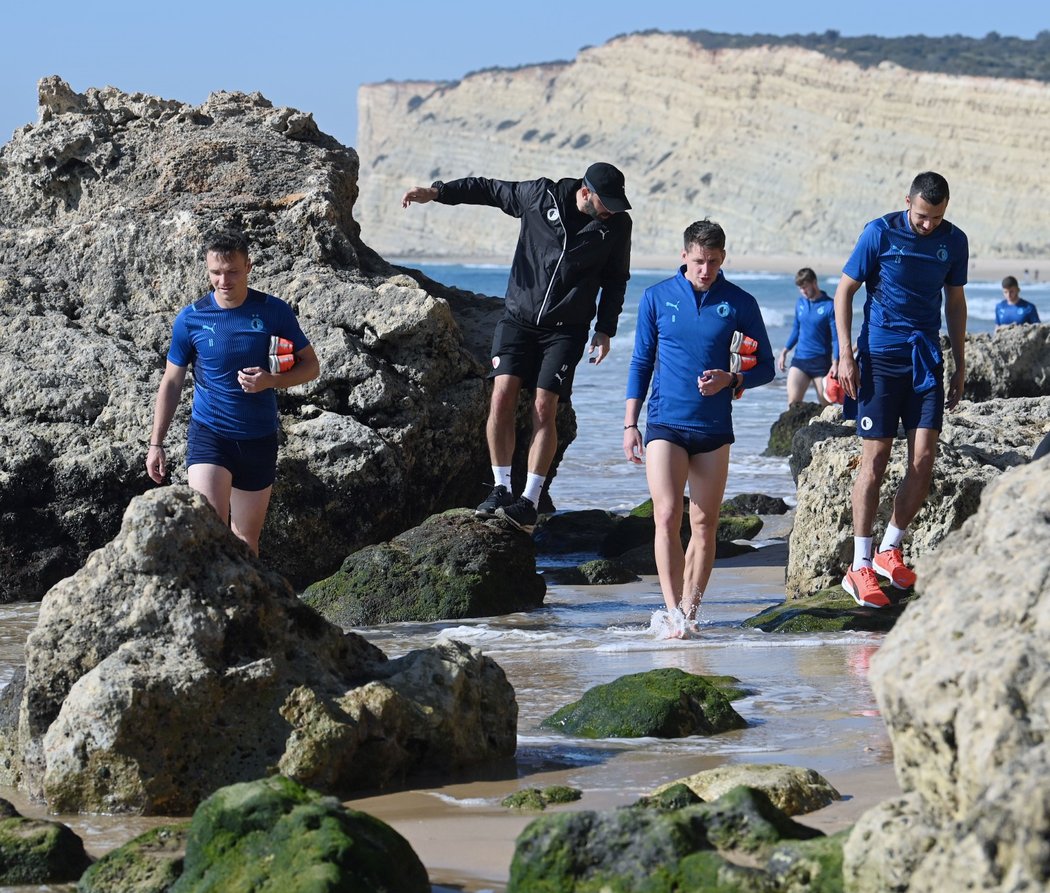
(253, 463)
(814, 367)
(887, 397)
(541, 358)
(693, 442)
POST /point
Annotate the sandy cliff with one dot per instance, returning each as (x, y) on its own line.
(791, 151)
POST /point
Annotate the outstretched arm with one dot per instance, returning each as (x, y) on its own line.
(420, 195)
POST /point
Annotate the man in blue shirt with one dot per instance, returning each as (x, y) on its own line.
(1013, 309)
(690, 328)
(814, 333)
(905, 260)
(231, 456)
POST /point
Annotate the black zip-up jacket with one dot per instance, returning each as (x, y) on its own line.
(563, 256)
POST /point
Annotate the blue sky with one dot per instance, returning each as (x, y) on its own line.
(313, 54)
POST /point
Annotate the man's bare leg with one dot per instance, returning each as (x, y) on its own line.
(666, 470)
(707, 485)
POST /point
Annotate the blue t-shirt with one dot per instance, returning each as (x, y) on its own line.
(220, 341)
(680, 335)
(814, 329)
(904, 275)
(1009, 314)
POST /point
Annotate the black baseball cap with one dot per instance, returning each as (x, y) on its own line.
(607, 182)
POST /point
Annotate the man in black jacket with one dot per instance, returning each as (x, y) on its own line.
(575, 240)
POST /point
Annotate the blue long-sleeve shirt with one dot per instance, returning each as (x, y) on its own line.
(1022, 312)
(814, 329)
(680, 335)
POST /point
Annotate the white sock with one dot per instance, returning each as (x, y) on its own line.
(861, 552)
(893, 538)
(533, 486)
(501, 475)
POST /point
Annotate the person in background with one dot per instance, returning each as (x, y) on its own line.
(690, 328)
(1013, 309)
(905, 259)
(228, 336)
(813, 331)
(574, 241)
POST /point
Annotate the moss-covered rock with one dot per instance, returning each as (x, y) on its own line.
(796, 416)
(276, 835)
(792, 789)
(809, 866)
(645, 850)
(150, 863)
(607, 572)
(830, 610)
(574, 532)
(537, 799)
(666, 703)
(449, 567)
(35, 851)
(672, 796)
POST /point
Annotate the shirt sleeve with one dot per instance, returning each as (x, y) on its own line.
(643, 359)
(181, 351)
(511, 197)
(864, 259)
(615, 274)
(957, 273)
(1035, 314)
(795, 325)
(753, 325)
(288, 327)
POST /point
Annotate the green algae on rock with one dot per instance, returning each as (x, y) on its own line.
(535, 798)
(36, 851)
(830, 610)
(149, 863)
(665, 703)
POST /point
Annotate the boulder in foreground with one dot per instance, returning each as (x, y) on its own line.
(174, 663)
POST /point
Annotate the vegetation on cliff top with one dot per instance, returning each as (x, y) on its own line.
(993, 55)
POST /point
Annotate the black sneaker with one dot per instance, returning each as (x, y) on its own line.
(520, 513)
(499, 497)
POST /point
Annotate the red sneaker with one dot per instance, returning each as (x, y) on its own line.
(833, 390)
(863, 585)
(738, 363)
(741, 343)
(891, 565)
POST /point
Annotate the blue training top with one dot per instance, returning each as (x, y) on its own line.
(682, 333)
(1022, 312)
(220, 341)
(814, 328)
(904, 275)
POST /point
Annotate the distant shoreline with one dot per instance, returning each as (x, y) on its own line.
(980, 268)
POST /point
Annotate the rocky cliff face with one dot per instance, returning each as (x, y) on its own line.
(791, 151)
(103, 206)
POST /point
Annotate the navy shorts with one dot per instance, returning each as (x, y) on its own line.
(693, 442)
(887, 397)
(814, 367)
(253, 463)
(542, 358)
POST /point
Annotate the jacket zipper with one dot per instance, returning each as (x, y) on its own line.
(564, 245)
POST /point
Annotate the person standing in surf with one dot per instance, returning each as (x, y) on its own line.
(699, 340)
(814, 338)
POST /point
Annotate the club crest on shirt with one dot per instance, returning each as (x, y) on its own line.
(722, 310)
(257, 324)
(942, 253)
(552, 215)
(820, 311)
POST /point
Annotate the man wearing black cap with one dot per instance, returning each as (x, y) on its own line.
(575, 240)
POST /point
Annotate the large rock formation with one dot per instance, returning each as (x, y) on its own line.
(173, 663)
(978, 443)
(103, 203)
(963, 682)
(819, 146)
